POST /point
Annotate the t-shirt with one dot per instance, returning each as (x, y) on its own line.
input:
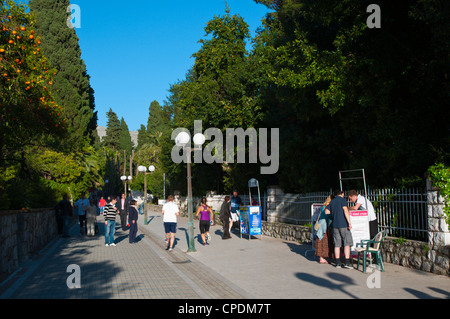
(80, 203)
(362, 200)
(337, 212)
(110, 212)
(170, 212)
(204, 214)
(235, 202)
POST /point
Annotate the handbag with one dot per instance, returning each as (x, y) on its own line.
(317, 225)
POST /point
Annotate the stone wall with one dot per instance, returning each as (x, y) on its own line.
(23, 234)
(417, 255)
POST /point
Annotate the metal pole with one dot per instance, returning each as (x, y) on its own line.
(145, 198)
(190, 208)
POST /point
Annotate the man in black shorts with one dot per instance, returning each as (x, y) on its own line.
(341, 225)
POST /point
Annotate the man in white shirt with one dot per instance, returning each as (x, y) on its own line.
(360, 202)
(170, 212)
(80, 207)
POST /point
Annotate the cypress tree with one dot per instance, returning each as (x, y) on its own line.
(112, 131)
(72, 87)
(125, 142)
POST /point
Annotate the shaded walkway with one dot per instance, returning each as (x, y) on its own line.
(139, 270)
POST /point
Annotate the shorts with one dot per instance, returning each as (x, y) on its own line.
(204, 226)
(170, 227)
(342, 236)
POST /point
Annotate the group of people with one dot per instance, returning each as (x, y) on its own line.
(87, 210)
(334, 227)
(229, 213)
(127, 209)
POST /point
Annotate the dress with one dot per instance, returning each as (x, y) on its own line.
(324, 246)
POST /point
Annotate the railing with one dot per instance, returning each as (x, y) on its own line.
(296, 209)
(401, 212)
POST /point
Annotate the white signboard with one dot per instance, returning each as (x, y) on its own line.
(360, 227)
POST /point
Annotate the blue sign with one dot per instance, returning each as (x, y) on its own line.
(254, 220)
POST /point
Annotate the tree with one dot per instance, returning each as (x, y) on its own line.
(113, 131)
(381, 89)
(27, 106)
(220, 89)
(72, 87)
(217, 88)
(125, 142)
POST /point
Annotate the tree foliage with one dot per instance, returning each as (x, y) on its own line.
(27, 105)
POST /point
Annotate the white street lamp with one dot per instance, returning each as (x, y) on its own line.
(183, 139)
(143, 170)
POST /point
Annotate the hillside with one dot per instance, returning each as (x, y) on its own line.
(101, 131)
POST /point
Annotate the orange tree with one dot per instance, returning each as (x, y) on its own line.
(27, 107)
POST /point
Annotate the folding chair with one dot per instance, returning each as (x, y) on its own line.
(375, 249)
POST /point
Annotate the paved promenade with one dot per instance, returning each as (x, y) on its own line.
(236, 269)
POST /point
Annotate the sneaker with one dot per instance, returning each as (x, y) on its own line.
(106, 245)
(348, 266)
(209, 237)
(113, 244)
(338, 265)
(170, 249)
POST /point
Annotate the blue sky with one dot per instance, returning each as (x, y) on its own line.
(134, 50)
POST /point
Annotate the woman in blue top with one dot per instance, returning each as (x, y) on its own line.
(323, 245)
(205, 220)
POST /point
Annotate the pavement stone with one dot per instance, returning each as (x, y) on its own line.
(143, 270)
(237, 268)
(271, 268)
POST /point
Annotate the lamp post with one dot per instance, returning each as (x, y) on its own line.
(124, 180)
(143, 169)
(182, 140)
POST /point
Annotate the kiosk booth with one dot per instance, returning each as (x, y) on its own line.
(250, 216)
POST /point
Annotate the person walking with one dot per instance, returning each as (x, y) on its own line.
(323, 244)
(206, 216)
(101, 205)
(342, 226)
(235, 203)
(361, 202)
(122, 206)
(110, 221)
(66, 212)
(132, 219)
(91, 216)
(170, 211)
(225, 217)
(79, 204)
